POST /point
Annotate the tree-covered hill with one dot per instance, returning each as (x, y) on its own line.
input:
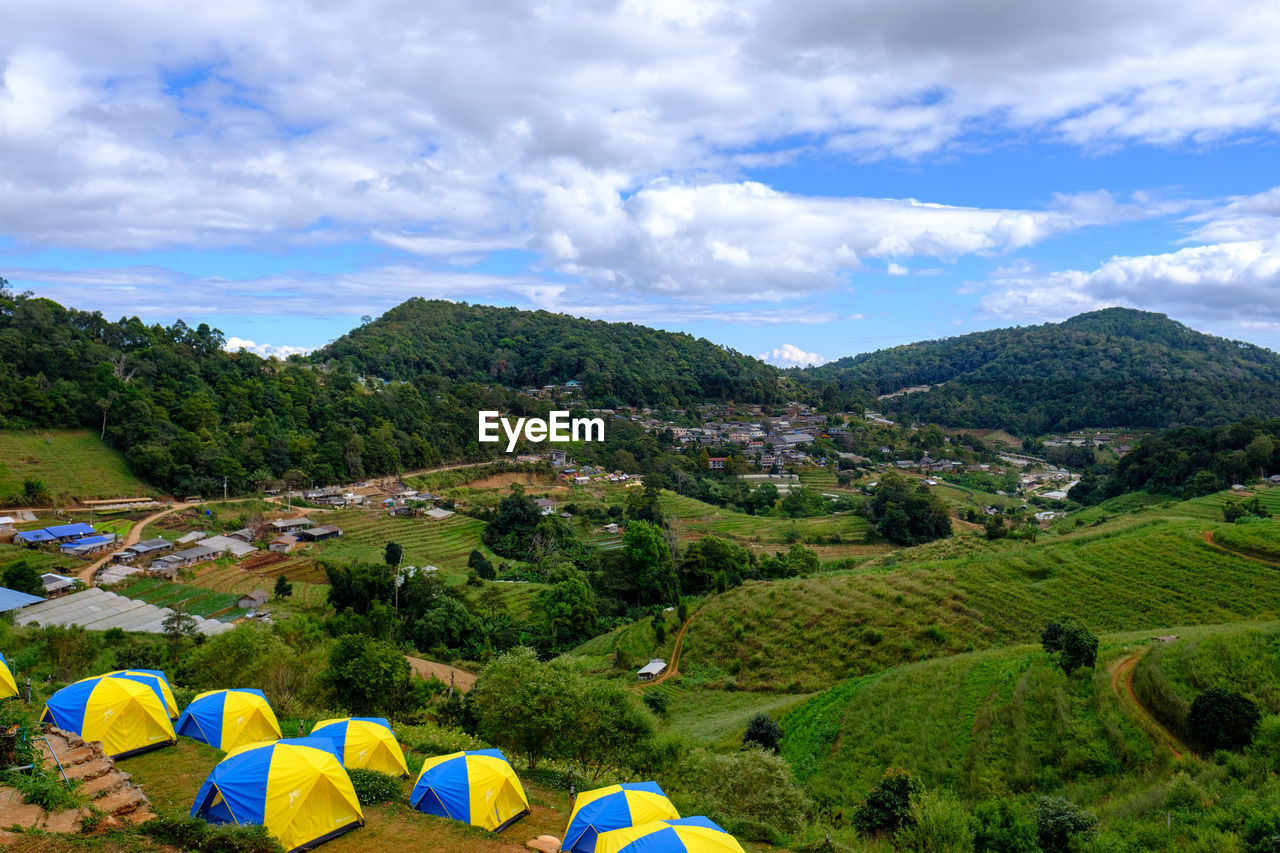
(1114, 367)
(188, 414)
(614, 362)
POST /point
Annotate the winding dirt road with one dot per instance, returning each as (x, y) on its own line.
(673, 667)
(1121, 672)
(132, 538)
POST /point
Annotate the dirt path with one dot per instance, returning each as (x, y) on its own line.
(1122, 685)
(131, 538)
(462, 679)
(673, 667)
(1207, 536)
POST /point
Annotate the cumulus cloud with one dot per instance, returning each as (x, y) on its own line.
(789, 355)
(1229, 285)
(265, 350)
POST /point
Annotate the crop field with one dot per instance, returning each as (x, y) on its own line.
(694, 519)
(192, 599)
(1146, 575)
(70, 463)
(821, 479)
(1001, 720)
(445, 544)
(1260, 539)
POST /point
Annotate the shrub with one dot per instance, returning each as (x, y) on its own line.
(751, 793)
(1222, 719)
(657, 702)
(1072, 646)
(762, 731)
(1057, 820)
(1000, 826)
(939, 823)
(887, 806)
(189, 833)
(373, 787)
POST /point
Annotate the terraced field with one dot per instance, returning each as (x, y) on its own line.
(1146, 574)
(842, 535)
(1260, 539)
(71, 464)
(193, 599)
(44, 561)
(445, 544)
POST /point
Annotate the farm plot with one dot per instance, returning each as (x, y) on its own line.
(694, 519)
(192, 599)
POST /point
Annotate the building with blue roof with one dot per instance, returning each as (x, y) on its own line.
(34, 537)
(65, 532)
(11, 599)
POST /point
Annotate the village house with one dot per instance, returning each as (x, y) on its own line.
(253, 600)
(319, 533)
(283, 544)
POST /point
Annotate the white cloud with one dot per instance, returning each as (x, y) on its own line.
(896, 269)
(789, 355)
(265, 350)
(1226, 285)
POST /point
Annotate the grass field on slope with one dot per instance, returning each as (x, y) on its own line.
(70, 463)
(805, 634)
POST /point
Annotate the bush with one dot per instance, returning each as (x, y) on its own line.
(1000, 826)
(1071, 646)
(657, 702)
(373, 787)
(887, 807)
(939, 823)
(762, 731)
(751, 793)
(1222, 719)
(189, 833)
(1057, 820)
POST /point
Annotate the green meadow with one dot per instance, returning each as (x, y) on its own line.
(70, 463)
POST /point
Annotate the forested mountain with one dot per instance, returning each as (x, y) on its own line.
(186, 413)
(617, 363)
(1114, 367)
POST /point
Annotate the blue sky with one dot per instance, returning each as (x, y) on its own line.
(799, 181)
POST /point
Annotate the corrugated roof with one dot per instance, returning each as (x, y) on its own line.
(35, 536)
(11, 599)
(77, 529)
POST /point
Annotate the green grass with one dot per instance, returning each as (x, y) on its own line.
(1141, 572)
(983, 724)
(44, 561)
(70, 463)
(1242, 657)
(1259, 539)
(719, 718)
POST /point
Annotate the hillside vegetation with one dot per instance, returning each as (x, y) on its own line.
(614, 362)
(69, 464)
(1135, 572)
(1114, 367)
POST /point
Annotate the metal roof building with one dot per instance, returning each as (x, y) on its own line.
(11, 599)
(97, 610)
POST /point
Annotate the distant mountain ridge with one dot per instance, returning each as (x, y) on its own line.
(1108, 368)
(615, 362)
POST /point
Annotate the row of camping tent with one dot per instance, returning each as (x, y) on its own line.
(299, 788)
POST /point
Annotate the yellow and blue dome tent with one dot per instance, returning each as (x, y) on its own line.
(682, 835)
(153, 678)
(225, 719)
(8, 687)
(299, 792)
(365, 742)
(478, 787)
(614, 807)
(127, 716)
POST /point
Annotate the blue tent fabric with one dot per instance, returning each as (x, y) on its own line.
(327, 744)
(241, 781)
(203, 719)
(337, 732)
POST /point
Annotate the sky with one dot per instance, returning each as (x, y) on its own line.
(798, 180)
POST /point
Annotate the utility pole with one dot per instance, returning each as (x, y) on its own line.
(224, 489)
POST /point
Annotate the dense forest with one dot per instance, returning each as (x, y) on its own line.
(1115, 367)
(616, 363)
(188, 414)
(1191, 461)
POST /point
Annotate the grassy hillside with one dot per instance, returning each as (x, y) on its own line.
(71, 464)
(1169, 678)
(1007, 724)
(1134, 572)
